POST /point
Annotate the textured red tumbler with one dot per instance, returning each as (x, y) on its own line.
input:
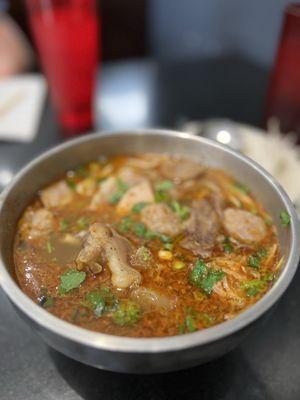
(283, 98)
(67, 39)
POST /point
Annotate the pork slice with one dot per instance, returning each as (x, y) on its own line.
(202, 229)
(103, 242)
(105, 191)
(39, 222)
(130, 176)
(158, 217)
(244, 226)
(182, 170)
(57, 195)
(140, 193)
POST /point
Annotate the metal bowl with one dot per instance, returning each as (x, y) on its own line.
(136, 355)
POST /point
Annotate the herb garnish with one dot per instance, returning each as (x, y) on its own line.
(127, 224)
(255, 286)
(122, 188)
(71, 279)
(64, 224)
(243, 188)
(205, 277)
(255, 259)
(139, 206)
(182, 211)
(128, 313)
(49, 247)
(285, 218)
(161, 190)
(227, 245)
(83, 222)
(192, 319)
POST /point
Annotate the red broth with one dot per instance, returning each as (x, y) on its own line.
(146, 246)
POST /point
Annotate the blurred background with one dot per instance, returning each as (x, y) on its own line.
(72, 66)
(201, 59)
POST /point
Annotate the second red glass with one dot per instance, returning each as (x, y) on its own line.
(67, 38)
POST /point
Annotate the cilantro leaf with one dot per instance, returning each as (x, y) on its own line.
(255, 259)
(128, 313)
(285, 219)
(71, 279)
(64, 224)
(204, 277)
(243, 188)
(83, 222)
(182, 211)
(164, 185)
(227, 245)
(96, 302)
(122, 188)
(139, 206)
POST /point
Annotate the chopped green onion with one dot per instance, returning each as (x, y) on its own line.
(164, 185)
(139, 206)
(182, 211)
(64, 224)
(243, 188)
(285, 218)
(49, 247)
(83, 222)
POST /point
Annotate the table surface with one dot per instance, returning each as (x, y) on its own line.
(267, 364)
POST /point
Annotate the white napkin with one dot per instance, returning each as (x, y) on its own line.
(21, 102)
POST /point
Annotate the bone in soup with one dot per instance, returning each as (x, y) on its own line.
(146, 246)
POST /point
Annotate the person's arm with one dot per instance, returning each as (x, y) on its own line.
(16, 55)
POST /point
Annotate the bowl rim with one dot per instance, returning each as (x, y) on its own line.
(123, 344)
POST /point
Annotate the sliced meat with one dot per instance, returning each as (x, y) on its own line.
(201, 229)
(244, 225)
(181, 169)
(103, 242)
(141, 258)
(86, 187)
(150, 299)
(160, 218)
(130, 176)
(39, 223)
(106, 190)
(140, 193)
(57, 195)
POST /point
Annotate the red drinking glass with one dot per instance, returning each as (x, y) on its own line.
(66, 36)
(283, 98)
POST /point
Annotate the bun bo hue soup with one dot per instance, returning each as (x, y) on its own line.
(146, 246)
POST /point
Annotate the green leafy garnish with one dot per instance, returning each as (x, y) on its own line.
(127, 224)
(81, 172)
(255, 286)
(285, 218)
(255, 259)
(96, 302)
(71, 279)
(192, 319)
(227, 245)
(83, 222)
(168, 246)
(122, 189)
(204, 277)
(190, 323)
(49, 247)
(128, 313)
(64, 224)
(182, 211)
(164, 185)
(71, 183)
(243, 188)
(49, 302)
(161, 190)
(138, 207)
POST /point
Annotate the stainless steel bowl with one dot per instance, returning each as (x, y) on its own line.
(131, 354)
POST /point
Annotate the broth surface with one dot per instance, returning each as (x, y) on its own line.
(146, 246)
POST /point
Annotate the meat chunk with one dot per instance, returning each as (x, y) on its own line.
(202, 229)
(140, 193)
(150, 299)
(182, 170)
(57, 195)
(103, 242)
(244, 225)
(160, 218)
(141, 258)
(105, 191)
(130, 176)
(39, 222)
